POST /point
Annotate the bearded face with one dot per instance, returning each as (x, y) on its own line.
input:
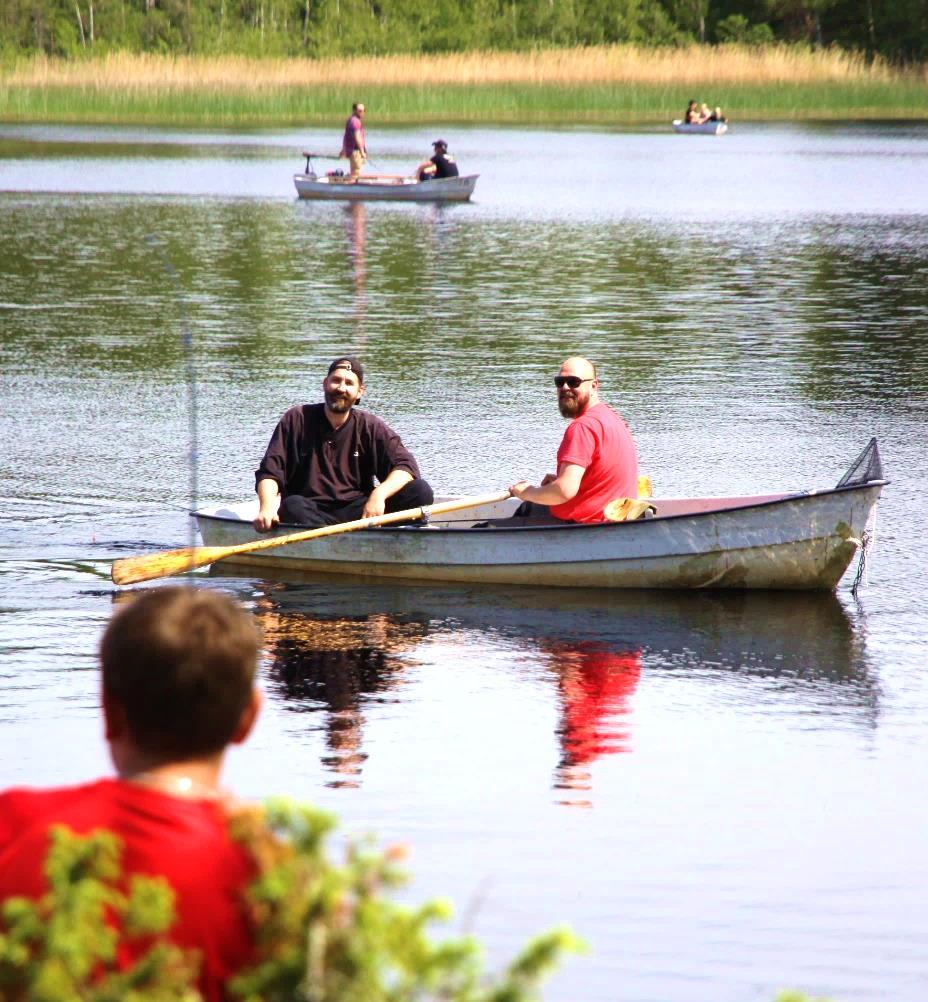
(342, 391)
(572, 403)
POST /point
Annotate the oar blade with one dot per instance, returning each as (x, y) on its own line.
(132, 570)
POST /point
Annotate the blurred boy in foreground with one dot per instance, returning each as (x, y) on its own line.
(178, 687)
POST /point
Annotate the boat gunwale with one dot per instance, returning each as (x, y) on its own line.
(452, 189)
(458, 181)
(712, 512)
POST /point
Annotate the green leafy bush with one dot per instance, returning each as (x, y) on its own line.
(325, 931)
(62, 947)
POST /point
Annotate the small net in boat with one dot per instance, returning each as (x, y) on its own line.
(866, 467)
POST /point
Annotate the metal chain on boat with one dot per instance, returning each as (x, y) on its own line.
(867, 540)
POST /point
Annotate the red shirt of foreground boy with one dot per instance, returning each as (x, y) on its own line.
(597, 461)
(178, 668)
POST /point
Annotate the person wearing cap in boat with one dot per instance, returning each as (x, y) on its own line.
(597, 461)
(354, 143)
(441, 164)
(322, 460)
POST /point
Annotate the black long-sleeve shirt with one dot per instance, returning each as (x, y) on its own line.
(307, 456)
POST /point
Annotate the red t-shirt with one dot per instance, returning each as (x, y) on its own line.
(600, 442)
(349, 142)
(185, 841)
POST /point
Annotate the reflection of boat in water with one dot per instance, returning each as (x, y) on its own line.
(336, 645)
(802, 541)
(700, 128)
(806, 637)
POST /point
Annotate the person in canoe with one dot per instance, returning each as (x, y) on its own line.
(711, 116)
(441, 164)
(322, 459)
(597, 461)
(354, 142)
(178, 688)
(696, 114)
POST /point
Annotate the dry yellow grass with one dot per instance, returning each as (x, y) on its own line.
(628, 65)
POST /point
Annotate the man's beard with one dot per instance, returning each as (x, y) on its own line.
(569, 406)
(339, 403)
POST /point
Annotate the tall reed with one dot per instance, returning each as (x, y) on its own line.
(609, 83)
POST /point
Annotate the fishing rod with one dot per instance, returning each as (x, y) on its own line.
(190, 359)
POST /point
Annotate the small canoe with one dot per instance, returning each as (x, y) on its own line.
(384, 188)
(700, 128)
(795, 540)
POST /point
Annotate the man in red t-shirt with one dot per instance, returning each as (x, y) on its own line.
(354, 142)
(596, 462)
(178, 670)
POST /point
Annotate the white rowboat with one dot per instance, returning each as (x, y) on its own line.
(803, 540)
(384, 188)
(700, 128)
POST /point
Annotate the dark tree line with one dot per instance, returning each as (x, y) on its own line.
(895, 29)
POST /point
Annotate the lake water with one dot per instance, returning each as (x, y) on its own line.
(723, 793)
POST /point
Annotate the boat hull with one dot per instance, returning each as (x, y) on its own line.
(802, 541)
(448, 189)
(700, 128)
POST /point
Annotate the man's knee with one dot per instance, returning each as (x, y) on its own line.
(531, 509)
(297, 510)
(422, 492)
(415, 494)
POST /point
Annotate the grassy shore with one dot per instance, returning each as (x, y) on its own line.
(615, 84)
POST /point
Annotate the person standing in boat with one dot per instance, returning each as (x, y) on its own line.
(441, 164)
(178, 688)
(354, 143)
(321, 462)
(596, 463)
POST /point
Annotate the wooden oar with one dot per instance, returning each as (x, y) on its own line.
(131, 570)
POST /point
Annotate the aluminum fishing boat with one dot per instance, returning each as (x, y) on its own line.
(384, 188)
(786, 540)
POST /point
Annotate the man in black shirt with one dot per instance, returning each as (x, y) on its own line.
(440, 165)
(322, 460)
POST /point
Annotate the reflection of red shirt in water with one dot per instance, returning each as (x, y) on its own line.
(185, 841)
(596, 686)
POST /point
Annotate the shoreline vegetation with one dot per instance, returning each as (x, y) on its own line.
(597, 85)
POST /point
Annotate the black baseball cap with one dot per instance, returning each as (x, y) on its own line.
(440, 142)
(350, 364)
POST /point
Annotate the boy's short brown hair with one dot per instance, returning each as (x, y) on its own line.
(181, 663)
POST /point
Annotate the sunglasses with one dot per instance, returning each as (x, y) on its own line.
(572, 381)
